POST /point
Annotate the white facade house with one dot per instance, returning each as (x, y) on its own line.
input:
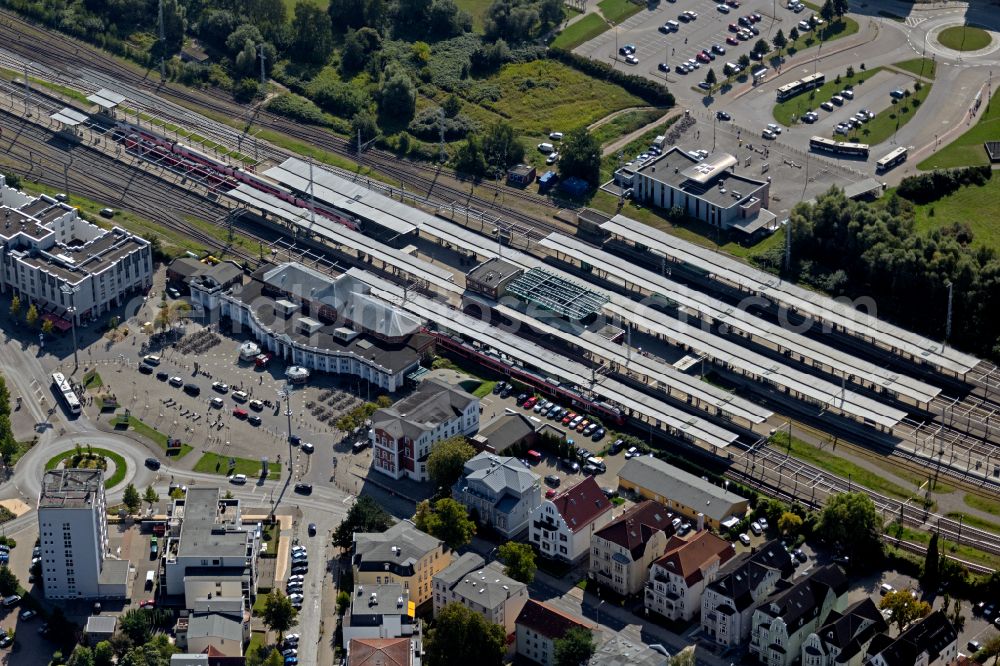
(379, 611)
(623, 550)
(562, 527)
(728, 603)
(501, 491)
(677, 580)
(844, 637)
(66, 266)
(482, 588)
(932, 641)
(783, 622)
(403, 435)
(73, 537)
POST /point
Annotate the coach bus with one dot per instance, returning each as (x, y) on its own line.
(896, 157)
(839, 147)
(66, 392)
(795, 87)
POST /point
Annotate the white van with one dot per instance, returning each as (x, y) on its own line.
(238, 479)
(545, 148)
(151, 359)
(150, 579)
(598, 463)
(241, 396)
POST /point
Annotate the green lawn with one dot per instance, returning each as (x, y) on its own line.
(986, 504)
(975, 521)
(828, 33)
(93, 379)
(967, 150)
(785, 111)
(833, 463)
(925, 67)
(624, 123)
(582, 31)
(476, 9)
(152, 434)
(617, 11)
(213, 463)
(975, 206)
(964, 38)
(888, 121)
(484, 389)
(963, 552)
(542, 96)
(272, 532)
(116, 477)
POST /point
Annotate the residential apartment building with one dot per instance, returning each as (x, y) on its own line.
(742, 584)
(539, 626)
(220, 626)
(501, 491)
(404, 651)
(379, 611)
(55, 259)
(402, 435)
(482, 588)
(782, 623)
(209, 547)
(932, 641)
(695, 498)
(562, 527)
(844, 637)
(622, 551)
(678, 578)
(401, 555)
(73, 537)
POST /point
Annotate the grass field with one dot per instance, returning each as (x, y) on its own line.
(544, 95)
(476, 9)
(964, 38)
(582, 31)
(975, 521)
(617, 11)
(967, 150)
(116, 477)
(962, 552)
(975, 206)
(925, 67)
(213, 463)
(624, 123)
(983, 503)
(484, 389)
(93, 379)
(152, 434)
(829, 33)
(888, 121)
(785, 111)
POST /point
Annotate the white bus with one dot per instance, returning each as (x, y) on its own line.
(796, 87)
(67, 393)
(897, 156)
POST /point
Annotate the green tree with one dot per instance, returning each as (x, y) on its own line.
(850, 522)
(397, 96)
(82, 656)
(448, 520)
(827, 11)
(47, 326)
(131, 499)
(347, 14)
(519, 561)
(744, 60)
(710, 77)
(575, 648)
(365, 126)
(359, 46)
(840, 7)
(793, 34)
(313, 32)
(581, 156)
(501, 147)
(104, 654)
(343, 603)
(32, 317)
(469, 158)
(904, 608)
(365, 515)
(8, 581)
(15, 306)
(462, 636)
(779, 41)
(151, 497)
(685, 657)
(932, 565)
(447, 460)
(761, 47)
(137, 625)
(279, 614)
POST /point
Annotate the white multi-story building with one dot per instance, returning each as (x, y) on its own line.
(677, 580)
(53, 258)
(622, 552)
(402, 435)
(562, 527)
(380, 611)
(501, 492)
(844, 637)
(932, 641)
(73, 535)
(482, 588)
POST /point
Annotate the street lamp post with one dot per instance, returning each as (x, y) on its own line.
(286, 393)
(71, 292)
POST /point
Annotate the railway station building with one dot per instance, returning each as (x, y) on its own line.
(708, 190)
(56, 260)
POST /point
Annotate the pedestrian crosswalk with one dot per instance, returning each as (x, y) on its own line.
(914, 21)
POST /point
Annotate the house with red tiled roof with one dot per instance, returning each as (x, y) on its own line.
(677, 579)
(384, 652)
(623, 550)
(561, 528)
(539, 626)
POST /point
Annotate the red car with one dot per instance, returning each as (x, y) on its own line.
(703, 57)
(239, 413)
(550, 493)
(530, 402)
(732, 41)
(569, 417)
(733, 3)
(147, 603)
(733, 27)
(262, 360)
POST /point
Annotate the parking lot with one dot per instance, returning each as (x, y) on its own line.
(709, 28)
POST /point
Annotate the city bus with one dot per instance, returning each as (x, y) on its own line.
(894, 158)
(839, 147)
(67, 393)
(796, 87)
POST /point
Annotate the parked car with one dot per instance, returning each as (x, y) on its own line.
(617, 446)
(26, 614)
(897, 94)
(570, 465)
(192, 389)
(745, 539)
(253, 419)
(304, 488)
(628, 49)
(162, 376)
(311, 529)
(307, 447)
(145, 369)
(176, 381)
(553, 480)
(238, 479)
(722, 9)
(732, 41)
(629, 59)
(755, 528)
(774, 127)
(722, 115)
(598, 434)
(521, 398)
(826, 106)
(768, 134)
(240, 413)
(221, 387)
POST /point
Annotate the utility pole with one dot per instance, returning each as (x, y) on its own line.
(444, 155)
(163, 45)
(788, 245)
(27, 91)
(263, 76)
(947, 321)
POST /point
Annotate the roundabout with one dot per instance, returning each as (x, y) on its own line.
(964, 38)
(89, 457)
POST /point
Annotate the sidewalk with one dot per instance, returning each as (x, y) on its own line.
(613, 147)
